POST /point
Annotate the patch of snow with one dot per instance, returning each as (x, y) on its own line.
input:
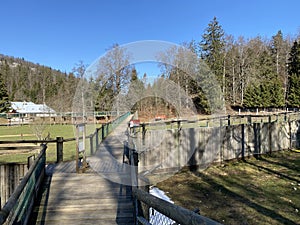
(160, 194)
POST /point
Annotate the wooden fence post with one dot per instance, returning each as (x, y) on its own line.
(290, 134)
(103, 130)
(97, 138)
(30, 161)
(285, 117)
(91, 144)
(249, 120)
(59, 149)
(243, 141)
(135, 158)
(270, 134)
(178, 143)
(143, 133)
(221, 141)
(257, 139)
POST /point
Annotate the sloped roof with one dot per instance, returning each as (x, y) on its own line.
(30, 107)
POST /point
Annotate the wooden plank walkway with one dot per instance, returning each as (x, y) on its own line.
(97, 196)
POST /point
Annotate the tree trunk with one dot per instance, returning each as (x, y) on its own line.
(224, 76)
(233, 83)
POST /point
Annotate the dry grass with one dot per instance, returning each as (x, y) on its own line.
(257, 191)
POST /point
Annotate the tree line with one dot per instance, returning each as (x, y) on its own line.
(250, 73)
(256, 72)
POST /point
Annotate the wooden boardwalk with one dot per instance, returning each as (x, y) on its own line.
(97, 196)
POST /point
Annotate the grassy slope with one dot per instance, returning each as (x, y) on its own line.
(265, 191)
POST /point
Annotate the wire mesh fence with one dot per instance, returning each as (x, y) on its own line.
(159, 218)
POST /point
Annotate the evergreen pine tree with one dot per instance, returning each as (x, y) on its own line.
(294, 91)
(266, 90)
(294, 60)
(276, 94)
(4, 101)
(294, 76)
(213, 47)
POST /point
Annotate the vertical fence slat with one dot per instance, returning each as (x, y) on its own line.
(91, 145)
(59, 149)
(18, 207)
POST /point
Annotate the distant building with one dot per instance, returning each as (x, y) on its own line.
(32, 109)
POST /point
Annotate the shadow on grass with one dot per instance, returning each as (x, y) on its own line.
(215, 188)
(292, 165)
(270, 171)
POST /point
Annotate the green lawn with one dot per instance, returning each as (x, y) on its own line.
(264, 191)
(28, 132)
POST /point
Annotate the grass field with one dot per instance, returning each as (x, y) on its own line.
(264, 191)
(28, 132)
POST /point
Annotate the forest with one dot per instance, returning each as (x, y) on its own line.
(21, 80)
(251, 73)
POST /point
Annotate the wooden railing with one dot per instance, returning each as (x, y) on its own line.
(54, 118)
(143, 201)
(95, 138)
(19, 206)
(219, 121)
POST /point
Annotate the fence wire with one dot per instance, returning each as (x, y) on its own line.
(160, 219)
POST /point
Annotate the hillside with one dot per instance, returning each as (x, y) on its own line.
(27, 81)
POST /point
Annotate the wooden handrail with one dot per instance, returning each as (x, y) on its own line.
(221, 118)
(27, 141)
(177, 213)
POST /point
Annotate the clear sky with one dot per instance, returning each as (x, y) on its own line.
(60, 33)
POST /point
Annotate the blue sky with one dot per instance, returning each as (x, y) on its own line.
(60, 33)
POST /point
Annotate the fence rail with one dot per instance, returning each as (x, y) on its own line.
(8, 119)
(219, 121)
(95, 138)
